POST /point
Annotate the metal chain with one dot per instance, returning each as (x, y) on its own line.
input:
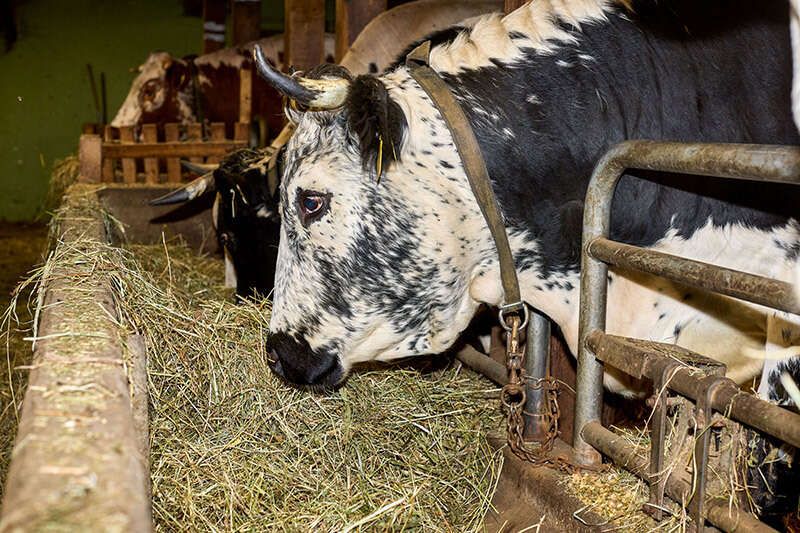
(512, 397)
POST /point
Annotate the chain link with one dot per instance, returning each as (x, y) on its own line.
(512, 396)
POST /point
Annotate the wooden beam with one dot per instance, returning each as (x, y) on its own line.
(246, 21)
(90, 157)
(511, 5)
(213, 25)
(351, 17)
(304, 33)
(198, 149)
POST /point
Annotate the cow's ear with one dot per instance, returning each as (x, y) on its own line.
(377, 122)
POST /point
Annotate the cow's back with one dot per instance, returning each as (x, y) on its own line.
(686, 71)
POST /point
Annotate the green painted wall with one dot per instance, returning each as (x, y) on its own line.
(44, 92)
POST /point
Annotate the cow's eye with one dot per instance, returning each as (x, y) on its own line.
(312, 205)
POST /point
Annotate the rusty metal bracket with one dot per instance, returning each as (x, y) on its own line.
(704, 415)
(658, 429)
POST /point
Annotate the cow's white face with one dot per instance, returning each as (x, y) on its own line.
(157, 87)
(371, 270)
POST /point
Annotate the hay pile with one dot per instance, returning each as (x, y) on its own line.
(65, 173)
(232, 448)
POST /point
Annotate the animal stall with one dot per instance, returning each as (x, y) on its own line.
(151, 403)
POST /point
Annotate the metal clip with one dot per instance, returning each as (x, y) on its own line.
(513, 308)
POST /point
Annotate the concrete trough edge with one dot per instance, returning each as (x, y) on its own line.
(80, 459)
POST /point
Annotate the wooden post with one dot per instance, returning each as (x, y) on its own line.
(90, 155)
(217, 134)
(213, 25)
(304, 34)
(241, 131)
(172, 134)
(150, 135)
(128, 164)
(246, 15)
(194, 132)
(108, 163)
(351, 17)
(511, 5)
(245, 95)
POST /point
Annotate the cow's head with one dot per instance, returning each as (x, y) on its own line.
(245, 215)
(161, 92)
(379, 230)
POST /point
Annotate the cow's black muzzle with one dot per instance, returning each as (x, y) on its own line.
(295, 362)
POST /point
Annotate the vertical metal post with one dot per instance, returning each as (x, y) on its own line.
(537, 357)
(594, 275)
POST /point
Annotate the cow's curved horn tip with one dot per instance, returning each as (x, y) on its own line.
(198, 168)
(173, 197)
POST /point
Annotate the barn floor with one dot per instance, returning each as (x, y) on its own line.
(21, 247)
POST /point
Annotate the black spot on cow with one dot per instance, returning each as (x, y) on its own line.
(548, 203)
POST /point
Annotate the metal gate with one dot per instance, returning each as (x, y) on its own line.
(660, 362)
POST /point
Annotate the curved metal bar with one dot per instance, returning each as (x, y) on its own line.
(778, 164)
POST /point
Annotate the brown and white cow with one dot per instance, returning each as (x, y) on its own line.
(204, 88)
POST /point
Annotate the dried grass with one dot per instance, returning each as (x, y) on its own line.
(65, 173)
(234, 449)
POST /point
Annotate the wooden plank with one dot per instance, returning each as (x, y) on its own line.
(108, 163)
(77, 464)
(194, 150)
(213, 25)
(194, 132)
(246, 21)
(150, 135)
(351, 17)
(217, 134)
(304, 23)
(172, 134)
(128, 164)
(90, 153)
(511, 5)
(245, 95)
(241, 132)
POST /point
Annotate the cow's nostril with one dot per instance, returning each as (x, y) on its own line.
(275, 363)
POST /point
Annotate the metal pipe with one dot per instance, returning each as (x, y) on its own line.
(637, 358)
(619, 450)
(757, 289)
(483, 364)
(780, 164)
(537, 356)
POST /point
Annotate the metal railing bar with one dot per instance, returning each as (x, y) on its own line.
(780, 164)
(537, 355)
(483, 364)
(742, 285)
(676, 487)
(635, 357)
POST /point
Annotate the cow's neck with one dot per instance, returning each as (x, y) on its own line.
(555, 294)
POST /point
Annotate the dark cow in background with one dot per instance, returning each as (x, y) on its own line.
(374, 269)
(170, 89)
(245, 215)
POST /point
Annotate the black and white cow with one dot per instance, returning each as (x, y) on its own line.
(374, 269)
(245, 216)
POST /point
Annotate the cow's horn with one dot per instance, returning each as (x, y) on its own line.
(190, 191)
(198, 168)
(314, 94)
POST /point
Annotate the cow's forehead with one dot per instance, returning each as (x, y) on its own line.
(319, 143)
(156, 63)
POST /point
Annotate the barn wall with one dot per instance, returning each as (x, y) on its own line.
(44, 92)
